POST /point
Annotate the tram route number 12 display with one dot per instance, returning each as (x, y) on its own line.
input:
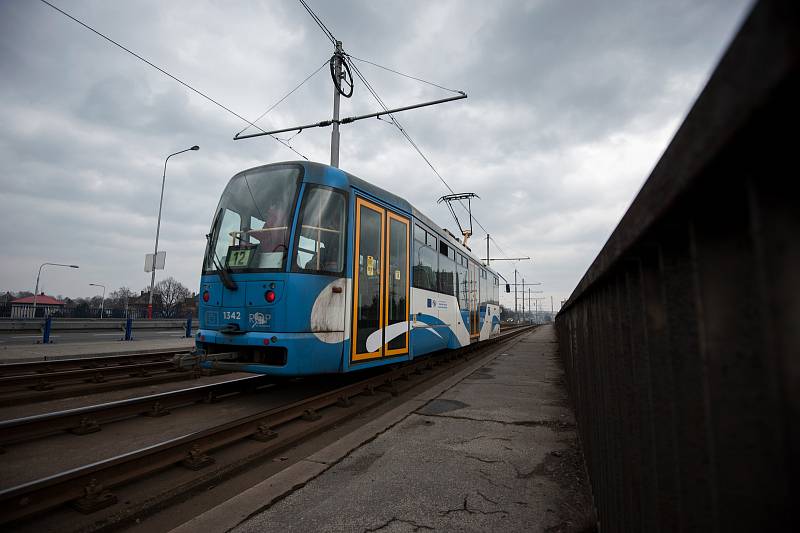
(238, 258)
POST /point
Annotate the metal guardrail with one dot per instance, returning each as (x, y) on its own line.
(84, 324)
(126, 327)
(682, 341)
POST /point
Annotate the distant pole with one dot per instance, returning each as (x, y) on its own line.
(158, 230)
(336, 97)
(529, 300)
(39, 275)
(103, 301)
(487, 250)
(551, 305)
(516, 312)
(523, 299)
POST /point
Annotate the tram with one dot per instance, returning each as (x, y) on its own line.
(310, 270)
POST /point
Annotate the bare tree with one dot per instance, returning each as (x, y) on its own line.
(119, 298)
(172, 294)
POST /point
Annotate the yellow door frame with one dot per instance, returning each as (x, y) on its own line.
(360, 202)
(386, 217)
(407, 223)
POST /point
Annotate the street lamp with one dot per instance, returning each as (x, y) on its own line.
(103, 301)
(36, 291)
(158, 230)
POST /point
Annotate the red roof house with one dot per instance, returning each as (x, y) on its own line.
(23, 307)
(42, 299)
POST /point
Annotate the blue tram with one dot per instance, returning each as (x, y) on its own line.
(310, 270)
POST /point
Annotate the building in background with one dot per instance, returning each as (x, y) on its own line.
(45, 306)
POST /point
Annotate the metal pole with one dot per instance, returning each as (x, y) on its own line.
(36, 290)
(48, 325)
(158, 230)
(516, 312)
(523, 299)
(487, 250)
(103, 301)
(336, 97)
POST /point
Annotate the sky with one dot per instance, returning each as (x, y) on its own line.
(571, 104)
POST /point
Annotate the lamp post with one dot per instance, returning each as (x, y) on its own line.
(103, 301)
(158, 230)
(36, 290)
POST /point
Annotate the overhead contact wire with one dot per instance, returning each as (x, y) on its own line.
(319, 22)
(405, 134)
(403, 74)
(395, 122)
(131, 52)
(287, 95)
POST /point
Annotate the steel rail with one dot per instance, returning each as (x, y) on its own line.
(91, 418)
(38, 495)
(54, 365)
(93, 374)
(76, 389)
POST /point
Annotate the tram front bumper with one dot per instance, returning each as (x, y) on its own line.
(274, 353)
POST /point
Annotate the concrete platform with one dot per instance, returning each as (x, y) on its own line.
(44, 352)
(492, 448)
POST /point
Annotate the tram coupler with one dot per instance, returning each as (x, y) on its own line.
(194, 360)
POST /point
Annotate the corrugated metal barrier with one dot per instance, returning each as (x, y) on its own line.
(682, 340)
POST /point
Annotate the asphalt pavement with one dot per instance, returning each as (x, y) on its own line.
(493, 448)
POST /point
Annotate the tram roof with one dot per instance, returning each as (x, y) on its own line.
(328, 175)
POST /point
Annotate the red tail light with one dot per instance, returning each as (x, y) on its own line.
(206, 296)
(269, 296)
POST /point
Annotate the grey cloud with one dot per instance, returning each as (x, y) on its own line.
(570, 105)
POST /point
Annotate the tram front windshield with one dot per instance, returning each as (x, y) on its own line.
(253, 220)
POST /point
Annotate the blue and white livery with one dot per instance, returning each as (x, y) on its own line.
(311, 270)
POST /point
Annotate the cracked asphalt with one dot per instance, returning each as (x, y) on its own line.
(497, 451)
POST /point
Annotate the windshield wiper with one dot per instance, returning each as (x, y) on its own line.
(222, 271)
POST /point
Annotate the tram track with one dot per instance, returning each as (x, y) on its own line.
(92, 418)
(38, 381)
(273, 429)
(78, 363)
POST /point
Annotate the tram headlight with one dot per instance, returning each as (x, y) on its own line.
(269, 296)
(206, 296)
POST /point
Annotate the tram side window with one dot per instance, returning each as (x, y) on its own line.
(447, 269)
(462, 284)
(320, 244)
(426, 259)
(482, 288)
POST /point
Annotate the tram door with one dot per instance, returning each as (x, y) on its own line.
(474, 329)
(380, 284)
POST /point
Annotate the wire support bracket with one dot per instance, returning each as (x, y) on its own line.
(348, 120)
